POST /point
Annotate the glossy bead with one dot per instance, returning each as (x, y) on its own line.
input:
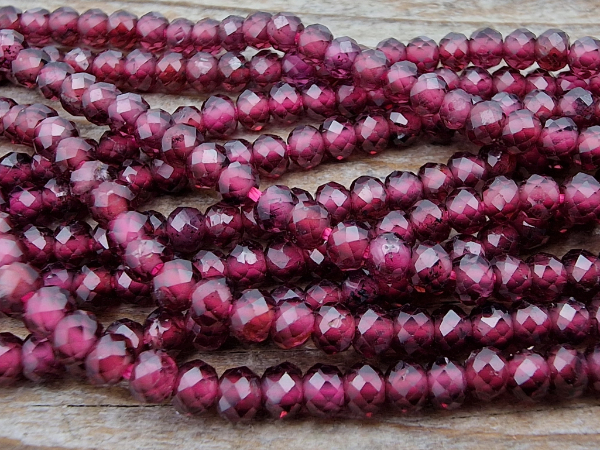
(109, 361)
(552, 49)
(413, 331)
(406, 386)
(541, 104)
(185, 229)
(393, 50)
(11, 360)
(487, 374)
(239, 394)
(584, 57)
(255, 29)
(201, 72)
(333, 329)
(164, 330)
(313, 42)
(292, 324)
(588, 148)
(403, 189)
(173, 285)
(388, 257)
(521, 131)
(374, 332)
(577, 104)
(10, 17)
(270, 155)
(39, 361)
(336, 200)
(447, 384)
(399, 80)
(264, 68)
(432, 267)
(92, 287)
(347, 244)
(128, 289)
(465, 210)
(282, 391)
(308, 221)
(169, 72)
(429, 221)
(485, 123)
(501, 198)
(455, 109)
(252, 316)
(492, 326)
(427, 94)
(195, 388)
(454, 51)
(206, 36)
(246, 264)
(323, 390)
(570, 321)
(285, 103)
(33, 23)
(372, 133)
(368, 198)
(45, 308)
(452, 327)
(153, 377)
(75, 336)
(477, 81)
(529, 376)
(580, 195)
(423, 52)
(340, 55)
(568, 371)
(364, 388)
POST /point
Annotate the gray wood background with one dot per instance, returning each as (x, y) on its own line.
(73, 415)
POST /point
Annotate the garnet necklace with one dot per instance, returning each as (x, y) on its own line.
(363, 266)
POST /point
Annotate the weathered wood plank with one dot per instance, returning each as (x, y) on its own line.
(72, 415)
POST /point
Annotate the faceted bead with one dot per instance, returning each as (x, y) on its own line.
(164, 330)
(393, 49)
(108, 67)
(236, 181)
(285, 103)
(369, 69)
(33, 23)
(333, 329)
(295, 69)
(255, 29)
(429, 221)
(455, 109)
(568, 371)
(173, 285)
(211, 302)
(17, 280)
(308, 221)
(423, 52)
(246, 264)
(339, 57)
(201, 72)
(399, 80)
(364, 388)
(584, 57)
(109, 361)
(519, 49)
(485, 123)
(501, 199)
(521, 130)
(374, 332)
(139, 69)
(372, 133)
(285, 260)
(45, 308)
(150, 128)
(431, 267)
(323, 390)
(548, 276)
(75, 336)
(224, 226)
(282, 391)
(529, 376)
(541, 104)
(406, 386)
(566, 81)
(463, 244)
(51, 78)
(178, 142)
(151, 32)
(452, 327)
(153, 377)
(508, 81)
(358, 289)
(231, 33)
(27, 65)
(447, 384)
(552, 49)
(95, 101)
(593, 369)
(437, 179)
(13, 250)
(336, 200)
(454, 51)
(540, 197)
(427, 94)
(239, 395)
(477, 82)
(11, 360)
(185, 228)
(413, 331)
(347, 244)
(396, 222)
(265, 68)
(39, 361)
(485, 47)
(292, 324)
(323, 292)
(270, 155)
(124, 111)
(388, 257)
(313, 42)
(492, 326)
(588, 148)
(130, 290)
(273, 208)
(206, 36)
(110, 199)
(252, 316)
(219, 116)
(169, 73)
(351, 100)
(465, 210)
(145, 257)
(583, 272)
(305, 147)
(72, 90)
(92, 287)
(205, 163)
(283, 30)
(253, 110)
(487, 374)
(207, 337)
(403, 189)
(570, 321)
(541, 80)
(580, 194)
(368, 198)
(577, 104)
(513, 277)
(10, 17)
(196, 387)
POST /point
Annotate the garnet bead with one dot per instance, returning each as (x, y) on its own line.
(153, 377)
(239, 395)
(529, 376)
(196, 387)
(282, 390)
(333, 329)
(323, 390)
(75, 336)
(447, 384)
(487, 374)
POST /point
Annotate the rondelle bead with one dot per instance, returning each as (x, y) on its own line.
(568, 371)
(492, 325)
(592, 360)
(374, 331)
(109, 360)
(403, 189)
(285, 103)
(173, 285)
(75, 336)
(185, 229)
(178, 36)
(323, 390)
(413, 331)
(292, 324)
(169, 72)
(305, 147)
(581, 199)
(46, 307)
(389, 257)
(452, 328)
(333, 329)
(10, 17)
(552, 49)
(128, 289)
(195, 389)
(583, 272)
(246, 264)
(308, 222)
(151, 31)
(313, 42)
(14, 250)
(513, 277)
(153, 377)
(28, 119)
(368, 198)
(335, 198)
(364, 388)
(468, 170)
(437, 179)
(474, 279)
(270, 155)
(51, 78)
(548, 276)
(465, 210)
(372, 133)
(485, 123)
(219, 116)
(393, 49)
(285, 260)
(323, 292)
(584, 57)
(432, 267)
(351, 100)
(447, 384)
(346, 245)
(340, 55)
(17, 280)
(253, 110)
(579, 105)
(429, 221)
(501, 198)
(454, 51)
(399, 80)
(108, 66)
(39, 360)
(319, 101)
(231, 33)
(95, 101)
(205, 36)
(477, 82)
(201, 72)
(570, 321)
(558, 138)
(406, 386)
(272, 210)
(165, 330)
(588, 148)
(11, 359)
(541, 104)
(529, 376)
(463, 244)
(72, 90)
(255, 29)
(521, 131)
(423, 52)
(282, 390)
(239, 395)
(252, 315)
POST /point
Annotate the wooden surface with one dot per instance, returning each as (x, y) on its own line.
(73, 415)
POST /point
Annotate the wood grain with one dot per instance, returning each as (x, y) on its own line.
(76, 416)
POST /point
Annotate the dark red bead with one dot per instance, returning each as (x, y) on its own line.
(374, 332)
(95, 101)
(195, 389)
(485, 123)
(179, 37)
(477, 82)
(202, 73)
(231, 34)
(153, 377)
(513, 277)
(529, 376)
(581, 198)
(568, 371)
(368, 198)
(323, 390)
(583, 271)
(487, 374)
(39, 361)
(165, 330)
(552, 49)
(185, 229)
(413, 331)
(109, 361)
(406, 386)
(429, 221)
(334, 328)
(292, 324)
(364, 388)
(108, 67)
(239, 395)
(570, 321)
(452, 328)
(75, 336)
(151, 31)
(346, 245)
(447, 384)
(432, 267)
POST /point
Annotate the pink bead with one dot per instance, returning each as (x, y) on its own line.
(406, 386)
(17, 280)
(253, 110)
(219, 116)
(423, 52)
(205, 36)
(265, 68)
(151, 31)
(437, 179)
(552, 49)
(364, 388)
(75, 336)
(45, 308)
(313, 42)
(584, 57)
(178, 36)
(121, 30)
(308, 221)
(477, 81)
(39, 361)
(487, 374)
(413, 331)
(169, 73)
(403, 189)
(454, 51)
(109, 199)
(388, 257)
(455, 109)
(10, 17)
(72, 90)
(396, 222)
(196, 387)
(153, 377)
(581, 200)
(565, 81)
(185, 229)
(447, 384)
(34, 24)
(165, 330)
(231, 33)
(399, 80)
(236, 181)
(305, 147)
(108, 361)
(205, 163)
(272, 210)
(588, 147)
(285, 261)
(252, 316)
(129, 290)
(529, 376)
(11, 360)
(351, 100)
(336, 200)
(323, 390)
(144, 257)
(108, 66)
(11, 44)
(202, 73)
(393, 50)
(239, 395)
(432, 267)
(27, 65)
(283, 30)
